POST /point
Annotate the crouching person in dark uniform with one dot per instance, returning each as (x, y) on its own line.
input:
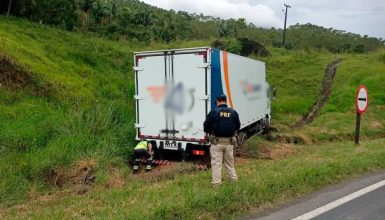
(142, 150)
(222, 123)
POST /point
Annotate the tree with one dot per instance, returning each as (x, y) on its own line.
(85, 7)
(144, 17)
(55, 12)
(165, 29)
(9, 7)
(224, 29)
(100, 11)
(238, 25)
(135, 19)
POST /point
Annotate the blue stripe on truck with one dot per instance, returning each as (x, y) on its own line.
(216, 76)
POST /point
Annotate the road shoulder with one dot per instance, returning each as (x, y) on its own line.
(320, 198)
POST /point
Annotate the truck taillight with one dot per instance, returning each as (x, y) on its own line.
(138, 58)
(204, 54)
(198, 152)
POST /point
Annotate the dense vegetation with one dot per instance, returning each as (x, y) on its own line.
(135, 20)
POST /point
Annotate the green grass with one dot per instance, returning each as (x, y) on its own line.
(262, 184)
(87, 113)
(85, 110)
(297, 75)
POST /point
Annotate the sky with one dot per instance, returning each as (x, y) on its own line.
(357, 16)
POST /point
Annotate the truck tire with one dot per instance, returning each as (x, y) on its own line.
(182, 152)
(266, 129)
(239, 144)
(160, 151)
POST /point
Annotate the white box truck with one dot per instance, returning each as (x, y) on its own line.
(176, 89)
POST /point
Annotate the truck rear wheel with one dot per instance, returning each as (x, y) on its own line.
(182, 152)
(239, 144)
(266, 129)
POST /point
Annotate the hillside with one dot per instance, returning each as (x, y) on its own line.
(69, 101)
(298, 76)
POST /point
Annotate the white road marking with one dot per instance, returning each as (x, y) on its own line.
(338, 202)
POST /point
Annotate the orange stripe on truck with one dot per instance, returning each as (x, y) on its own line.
(226, 72)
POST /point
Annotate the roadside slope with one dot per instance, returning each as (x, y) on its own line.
(70, 99)
(262, 184)
(76, 104)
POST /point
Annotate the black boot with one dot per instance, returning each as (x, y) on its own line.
(135, 168)
(149, 165)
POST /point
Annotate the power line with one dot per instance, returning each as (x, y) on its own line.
(284, 27)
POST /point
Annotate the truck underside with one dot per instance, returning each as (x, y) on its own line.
(190, 150)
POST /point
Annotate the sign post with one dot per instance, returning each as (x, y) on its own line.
(362, 101)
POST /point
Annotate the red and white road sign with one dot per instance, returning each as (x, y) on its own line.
(362, 99)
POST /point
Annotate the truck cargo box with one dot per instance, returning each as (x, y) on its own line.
(176, 89)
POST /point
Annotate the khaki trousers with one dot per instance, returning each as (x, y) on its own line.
(222, 153)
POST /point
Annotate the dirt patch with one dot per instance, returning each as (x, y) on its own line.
(376, 124)
(327, 83)
(277, 152)
(282, 151)
(11, 75)
(242, 152)
(115, 179)
(115, 183)
(35, 196)
(289, 139)
(360, 150)
(167, 172)
(80, 175)
(2, 212)
(264, 151)
(304, 139)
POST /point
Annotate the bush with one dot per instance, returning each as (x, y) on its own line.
(233, 46)
(382, 58)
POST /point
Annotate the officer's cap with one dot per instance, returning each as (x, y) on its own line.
(222, 98)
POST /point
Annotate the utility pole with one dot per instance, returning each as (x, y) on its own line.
(284, 28)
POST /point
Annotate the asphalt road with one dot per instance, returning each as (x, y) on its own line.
(361, 198)
(369, 206)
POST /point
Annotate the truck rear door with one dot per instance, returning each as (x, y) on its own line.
(172, 94)
(150, 76)
(190, 76)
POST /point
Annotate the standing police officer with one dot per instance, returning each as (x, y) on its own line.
(222, 123)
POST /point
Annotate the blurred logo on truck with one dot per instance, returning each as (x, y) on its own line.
(248, 88)
(156, 92)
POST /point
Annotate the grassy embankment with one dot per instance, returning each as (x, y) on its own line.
(78, 106)
(262, 184)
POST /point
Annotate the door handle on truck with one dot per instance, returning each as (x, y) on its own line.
(204, 65)
(138, 97)
(137, 68)
(139, 126)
